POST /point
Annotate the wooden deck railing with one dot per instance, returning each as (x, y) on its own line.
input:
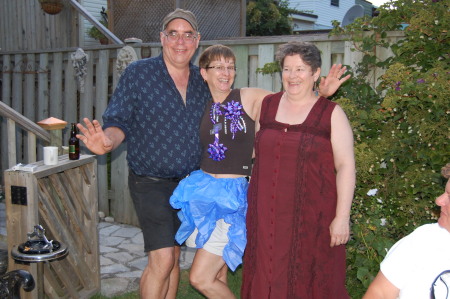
(32, 131)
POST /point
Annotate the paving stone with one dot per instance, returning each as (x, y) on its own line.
(139, 263)
(136, 249)
(138, 239)
(114, 268)
(107, 249)
(122, 257)
(108, 230)
(105, 261)
(111, 241)
(127, 232)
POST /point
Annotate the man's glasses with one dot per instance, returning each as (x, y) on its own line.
(187, 37)
(221, 68)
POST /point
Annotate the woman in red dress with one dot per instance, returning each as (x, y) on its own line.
(301, 190)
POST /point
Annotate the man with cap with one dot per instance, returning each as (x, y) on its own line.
(156, 108)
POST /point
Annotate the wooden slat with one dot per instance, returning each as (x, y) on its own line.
(29, 105)
(241, 53)
(17, 99)
(66, 279)
(77, 197)
(17, 29)
(74, 222)
(42, 95)
(70, 108)
(56, 76)
(12, 157)
(75, 257)
(266, 54)
(252, 76)
(62, 233)
(101, 103)
(6, 98)
(122, 206)
(86, 101)
(325, 50)
(52, 285)
(31, 145)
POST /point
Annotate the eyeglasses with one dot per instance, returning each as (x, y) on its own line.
(296, 72)
(187, 37)
(221, 68)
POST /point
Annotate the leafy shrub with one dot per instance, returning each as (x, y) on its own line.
(401, 128)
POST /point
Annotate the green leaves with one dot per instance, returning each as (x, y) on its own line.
(401, 128)
(266, 17)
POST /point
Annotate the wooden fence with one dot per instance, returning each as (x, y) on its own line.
(43, 84)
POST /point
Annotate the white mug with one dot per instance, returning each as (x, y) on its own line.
(50, 155)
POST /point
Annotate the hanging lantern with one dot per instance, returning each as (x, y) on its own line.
(51, 7)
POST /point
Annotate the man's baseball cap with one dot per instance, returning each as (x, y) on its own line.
(180, 14)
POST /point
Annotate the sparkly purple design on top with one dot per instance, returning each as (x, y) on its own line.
(233, 112)
(217, 150)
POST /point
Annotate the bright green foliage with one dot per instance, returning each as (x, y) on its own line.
(401, 129)
(268, 17)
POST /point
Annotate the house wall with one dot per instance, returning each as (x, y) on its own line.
(324, 10)
(93, 7)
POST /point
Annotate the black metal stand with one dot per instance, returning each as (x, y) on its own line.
(39, 259)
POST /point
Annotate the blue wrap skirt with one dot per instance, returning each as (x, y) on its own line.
(202, 200)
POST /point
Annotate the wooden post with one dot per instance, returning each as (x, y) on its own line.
(54, 126)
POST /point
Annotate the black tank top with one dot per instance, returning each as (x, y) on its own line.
(238, 156)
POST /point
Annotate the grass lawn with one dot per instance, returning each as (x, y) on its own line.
(185, 291)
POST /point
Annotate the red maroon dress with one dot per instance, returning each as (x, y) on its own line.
(291, 203)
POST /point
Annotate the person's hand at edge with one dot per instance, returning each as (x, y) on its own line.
(331, 83)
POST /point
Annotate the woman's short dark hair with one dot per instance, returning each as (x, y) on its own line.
(308, 52)
(215, 52)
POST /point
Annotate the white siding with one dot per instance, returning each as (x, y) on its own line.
(324, 10)
(93, 7)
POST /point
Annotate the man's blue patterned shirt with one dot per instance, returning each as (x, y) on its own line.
(162, 133)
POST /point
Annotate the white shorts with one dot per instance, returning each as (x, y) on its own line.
(217, 240)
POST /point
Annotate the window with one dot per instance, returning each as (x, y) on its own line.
(335, 3)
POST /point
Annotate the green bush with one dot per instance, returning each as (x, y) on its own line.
(401, 129)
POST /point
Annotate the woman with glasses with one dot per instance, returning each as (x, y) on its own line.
(418, 266)
(213, 199)
(301, 190)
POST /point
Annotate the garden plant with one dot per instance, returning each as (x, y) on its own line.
(401, 128)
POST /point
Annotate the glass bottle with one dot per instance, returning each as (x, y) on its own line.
(74, 143)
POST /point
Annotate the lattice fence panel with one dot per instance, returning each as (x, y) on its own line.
(143, 18)
(139, 18)
(217, 19)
